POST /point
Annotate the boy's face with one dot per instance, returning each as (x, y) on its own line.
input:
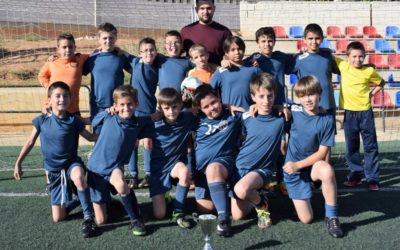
(107, 41)
(266, 45)
(171, 112)
(125, 107)
(59, 100)
(66, 49)
(235, 54)
(310, 103)
(173, 46)
(264, 100)
(356, 58)
(205, 12)
(148, 53)
(313, 41)
(211, 106)
(199, 58)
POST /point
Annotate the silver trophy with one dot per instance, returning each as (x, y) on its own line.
(208, 224)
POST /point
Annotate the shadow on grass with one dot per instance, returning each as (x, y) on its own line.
(264, 244)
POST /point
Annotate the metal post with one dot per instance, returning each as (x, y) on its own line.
(95, 13)
(383, 109)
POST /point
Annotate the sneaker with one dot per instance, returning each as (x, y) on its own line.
(334, 228)
(352, 183)
(88, 228)
(264, 220)
(373, 186)
(224, 228)
(281, 188)
(138, 228)
(179, 219)
(133, 182)
(145, 182)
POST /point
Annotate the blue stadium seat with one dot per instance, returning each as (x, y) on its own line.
(296, 31)
(398, 46)
(383, 46)
(336, 94)
(327, 44)
(398, 99)
(293, 79)
(392, 32)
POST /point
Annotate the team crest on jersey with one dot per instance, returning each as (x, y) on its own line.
(214, 128)
(246, 115)
(304, 55)
(221, 69)
(256, 56)
(159, 124)
(296, 108)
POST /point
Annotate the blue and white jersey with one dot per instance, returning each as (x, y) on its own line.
(216, 138)
(116, 141)
(59, 140)
(308, 132)
(320, 65)
(107, 73)
(144, 80)
(278, 64)
(261, 144)
(172, 71)
(234, 84)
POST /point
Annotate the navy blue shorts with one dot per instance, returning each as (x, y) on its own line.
(299, 184)
(161, 180)
(99, 186)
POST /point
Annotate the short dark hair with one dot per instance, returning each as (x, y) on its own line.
(355, 46)
(147, 40)
(200, 1)
(58, 85)
(203, 91)
(169, 96)
(265, 31)
(173, 33)
(314, 28)
(107, 27)
(231, 40)
(66, 36)
(124, 91)
(263, 80)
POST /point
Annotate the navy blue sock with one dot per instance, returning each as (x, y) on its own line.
(146, 161)
(84, 198)
(72, 204)
(131, 206)
(219, 196)
(133, 163)
(180, 198)
(331, 210)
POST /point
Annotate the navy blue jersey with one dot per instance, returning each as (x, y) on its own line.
(59, 140)
(234, 84)
(144, 80)
(308, 132)
(173, 71)
(278, 64)
(320, 65)
(262, 142)
(106, 70)
(116, 141)
(216, 138)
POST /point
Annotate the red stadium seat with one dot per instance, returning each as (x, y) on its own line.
(341, 46)
(352, 31)
(334, 32)
(301, 44)
(377, 100)
(370, 31)
(378, 61)
(367, 47)
(280, 32)
(394, 61)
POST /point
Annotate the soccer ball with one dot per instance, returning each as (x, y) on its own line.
(189, 86)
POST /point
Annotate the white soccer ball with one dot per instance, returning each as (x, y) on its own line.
(189, 86)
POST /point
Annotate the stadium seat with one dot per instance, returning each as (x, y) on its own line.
(352, 32)
(280, 32)
(300, 44)
(398, 46)
(382, 46)
(398, 99)
(391, 82)
(341, 46)
(334, 32)
(377, 100)
(394, 61)
(377, 60)
(327, 44)
(367, 47)
(296, 31)
(392, 32)
(370, 32)
(293, 78)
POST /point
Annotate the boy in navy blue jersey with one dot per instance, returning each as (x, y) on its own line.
(255, 164)
(106, 68)
(59, 133)
(216, 136)
(169, 156)
(144, 80)
(112, 150)
(312, 133)
(233, 83)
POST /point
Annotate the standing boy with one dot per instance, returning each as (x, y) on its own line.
(355, 99)
(112, 151)
(59, 132)
(312, 133)
(255, 163)
(199, 57)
